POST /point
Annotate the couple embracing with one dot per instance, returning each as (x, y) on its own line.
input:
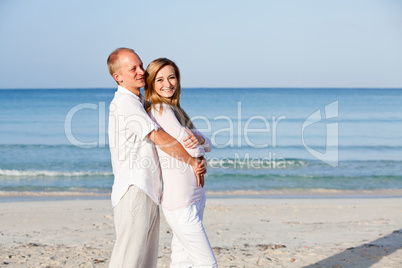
(152, 139)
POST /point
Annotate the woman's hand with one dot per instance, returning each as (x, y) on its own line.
(190, 141)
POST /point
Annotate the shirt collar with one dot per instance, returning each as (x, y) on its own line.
(123, 90)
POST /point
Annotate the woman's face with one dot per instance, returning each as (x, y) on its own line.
(166, 82)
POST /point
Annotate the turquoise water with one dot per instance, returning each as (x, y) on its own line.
(55, 140)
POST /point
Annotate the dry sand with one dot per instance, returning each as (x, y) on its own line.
(244, 232)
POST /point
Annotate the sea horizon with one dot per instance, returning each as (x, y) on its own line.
(211, 87)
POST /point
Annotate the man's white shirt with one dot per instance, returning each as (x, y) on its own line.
(134, 156)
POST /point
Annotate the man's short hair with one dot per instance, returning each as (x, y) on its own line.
(113, 62)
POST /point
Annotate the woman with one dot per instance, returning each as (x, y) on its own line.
(183, 202)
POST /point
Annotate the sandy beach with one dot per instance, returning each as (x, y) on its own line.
(244, 232)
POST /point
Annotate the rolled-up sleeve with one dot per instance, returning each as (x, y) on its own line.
(207, 145)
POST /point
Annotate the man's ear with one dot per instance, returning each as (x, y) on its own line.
(116, 77)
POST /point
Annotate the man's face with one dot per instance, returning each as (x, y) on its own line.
(131, 73)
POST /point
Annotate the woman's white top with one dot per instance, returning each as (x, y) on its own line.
(179, 182)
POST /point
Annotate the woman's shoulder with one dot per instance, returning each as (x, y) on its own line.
(161, 108)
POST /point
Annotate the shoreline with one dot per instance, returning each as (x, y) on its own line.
(25, 196)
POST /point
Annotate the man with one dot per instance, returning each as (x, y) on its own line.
(137, 184)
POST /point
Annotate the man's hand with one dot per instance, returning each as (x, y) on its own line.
(190, 141)
(202, 166)
(200, 169)
(199, 166)
(172, 147)
(194, 164)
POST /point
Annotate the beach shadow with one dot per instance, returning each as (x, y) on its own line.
(365, 255)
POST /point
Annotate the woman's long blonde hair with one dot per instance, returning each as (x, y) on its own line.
(153, 98)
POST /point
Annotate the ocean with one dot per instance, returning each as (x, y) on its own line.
(265, 140)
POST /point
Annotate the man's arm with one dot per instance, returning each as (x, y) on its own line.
(172, 147)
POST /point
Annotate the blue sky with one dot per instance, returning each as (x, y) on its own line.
(283, 43)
